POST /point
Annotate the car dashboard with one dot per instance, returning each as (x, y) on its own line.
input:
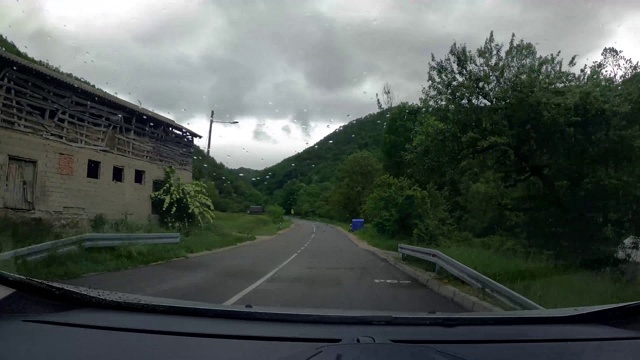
(36, 327)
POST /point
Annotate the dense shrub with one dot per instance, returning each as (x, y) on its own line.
(183, 204)
(275, 213)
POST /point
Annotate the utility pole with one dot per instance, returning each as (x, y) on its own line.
(209, 139)
(211, 125)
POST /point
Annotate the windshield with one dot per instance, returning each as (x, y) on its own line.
(415, 157)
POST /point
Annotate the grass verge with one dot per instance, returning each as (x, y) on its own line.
(535, 277)
(227, 230)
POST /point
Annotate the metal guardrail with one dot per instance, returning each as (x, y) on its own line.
(90, 240)
(469, 276)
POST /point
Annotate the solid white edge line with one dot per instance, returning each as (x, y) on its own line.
(244, 292)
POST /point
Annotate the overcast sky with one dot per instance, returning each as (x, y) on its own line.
(289, 71)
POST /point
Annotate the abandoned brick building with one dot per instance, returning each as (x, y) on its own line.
(68, 149)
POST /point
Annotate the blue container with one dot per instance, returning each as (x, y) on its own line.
(357, 224)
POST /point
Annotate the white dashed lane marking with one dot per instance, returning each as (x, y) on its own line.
(392, 281)
(266, 277)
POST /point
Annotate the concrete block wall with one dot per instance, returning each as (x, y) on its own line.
(62, 187)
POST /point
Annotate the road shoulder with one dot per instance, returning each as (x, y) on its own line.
(259, 238)
(467, 301)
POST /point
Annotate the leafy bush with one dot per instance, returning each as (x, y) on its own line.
(183, 204)
(275, 213)
(98, 223)
(399, 208)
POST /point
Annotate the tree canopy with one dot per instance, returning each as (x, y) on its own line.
(503, 142)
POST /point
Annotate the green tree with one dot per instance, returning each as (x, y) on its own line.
(310, 201)
(551, 149)
(398, 135)
(288, 196)
(235, 193)
(275, 213)
(394, 206)
(399, 208)
(357, 175)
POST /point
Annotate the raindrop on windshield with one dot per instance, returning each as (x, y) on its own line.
(241, 174)
(330, 141)
(293, 164)
(328, 126)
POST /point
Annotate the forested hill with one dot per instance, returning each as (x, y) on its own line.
(228, 190)
(507, 147)
(320, 162)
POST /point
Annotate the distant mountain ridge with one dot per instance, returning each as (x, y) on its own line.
(321, 162)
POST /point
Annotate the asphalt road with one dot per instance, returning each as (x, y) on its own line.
(312, 265)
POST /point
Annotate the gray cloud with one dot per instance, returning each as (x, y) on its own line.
(305, 61)
(260, 134)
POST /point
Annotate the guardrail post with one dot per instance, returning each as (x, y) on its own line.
(404, 257)
(437, 269)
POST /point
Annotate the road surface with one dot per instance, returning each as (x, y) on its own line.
(312, 265)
